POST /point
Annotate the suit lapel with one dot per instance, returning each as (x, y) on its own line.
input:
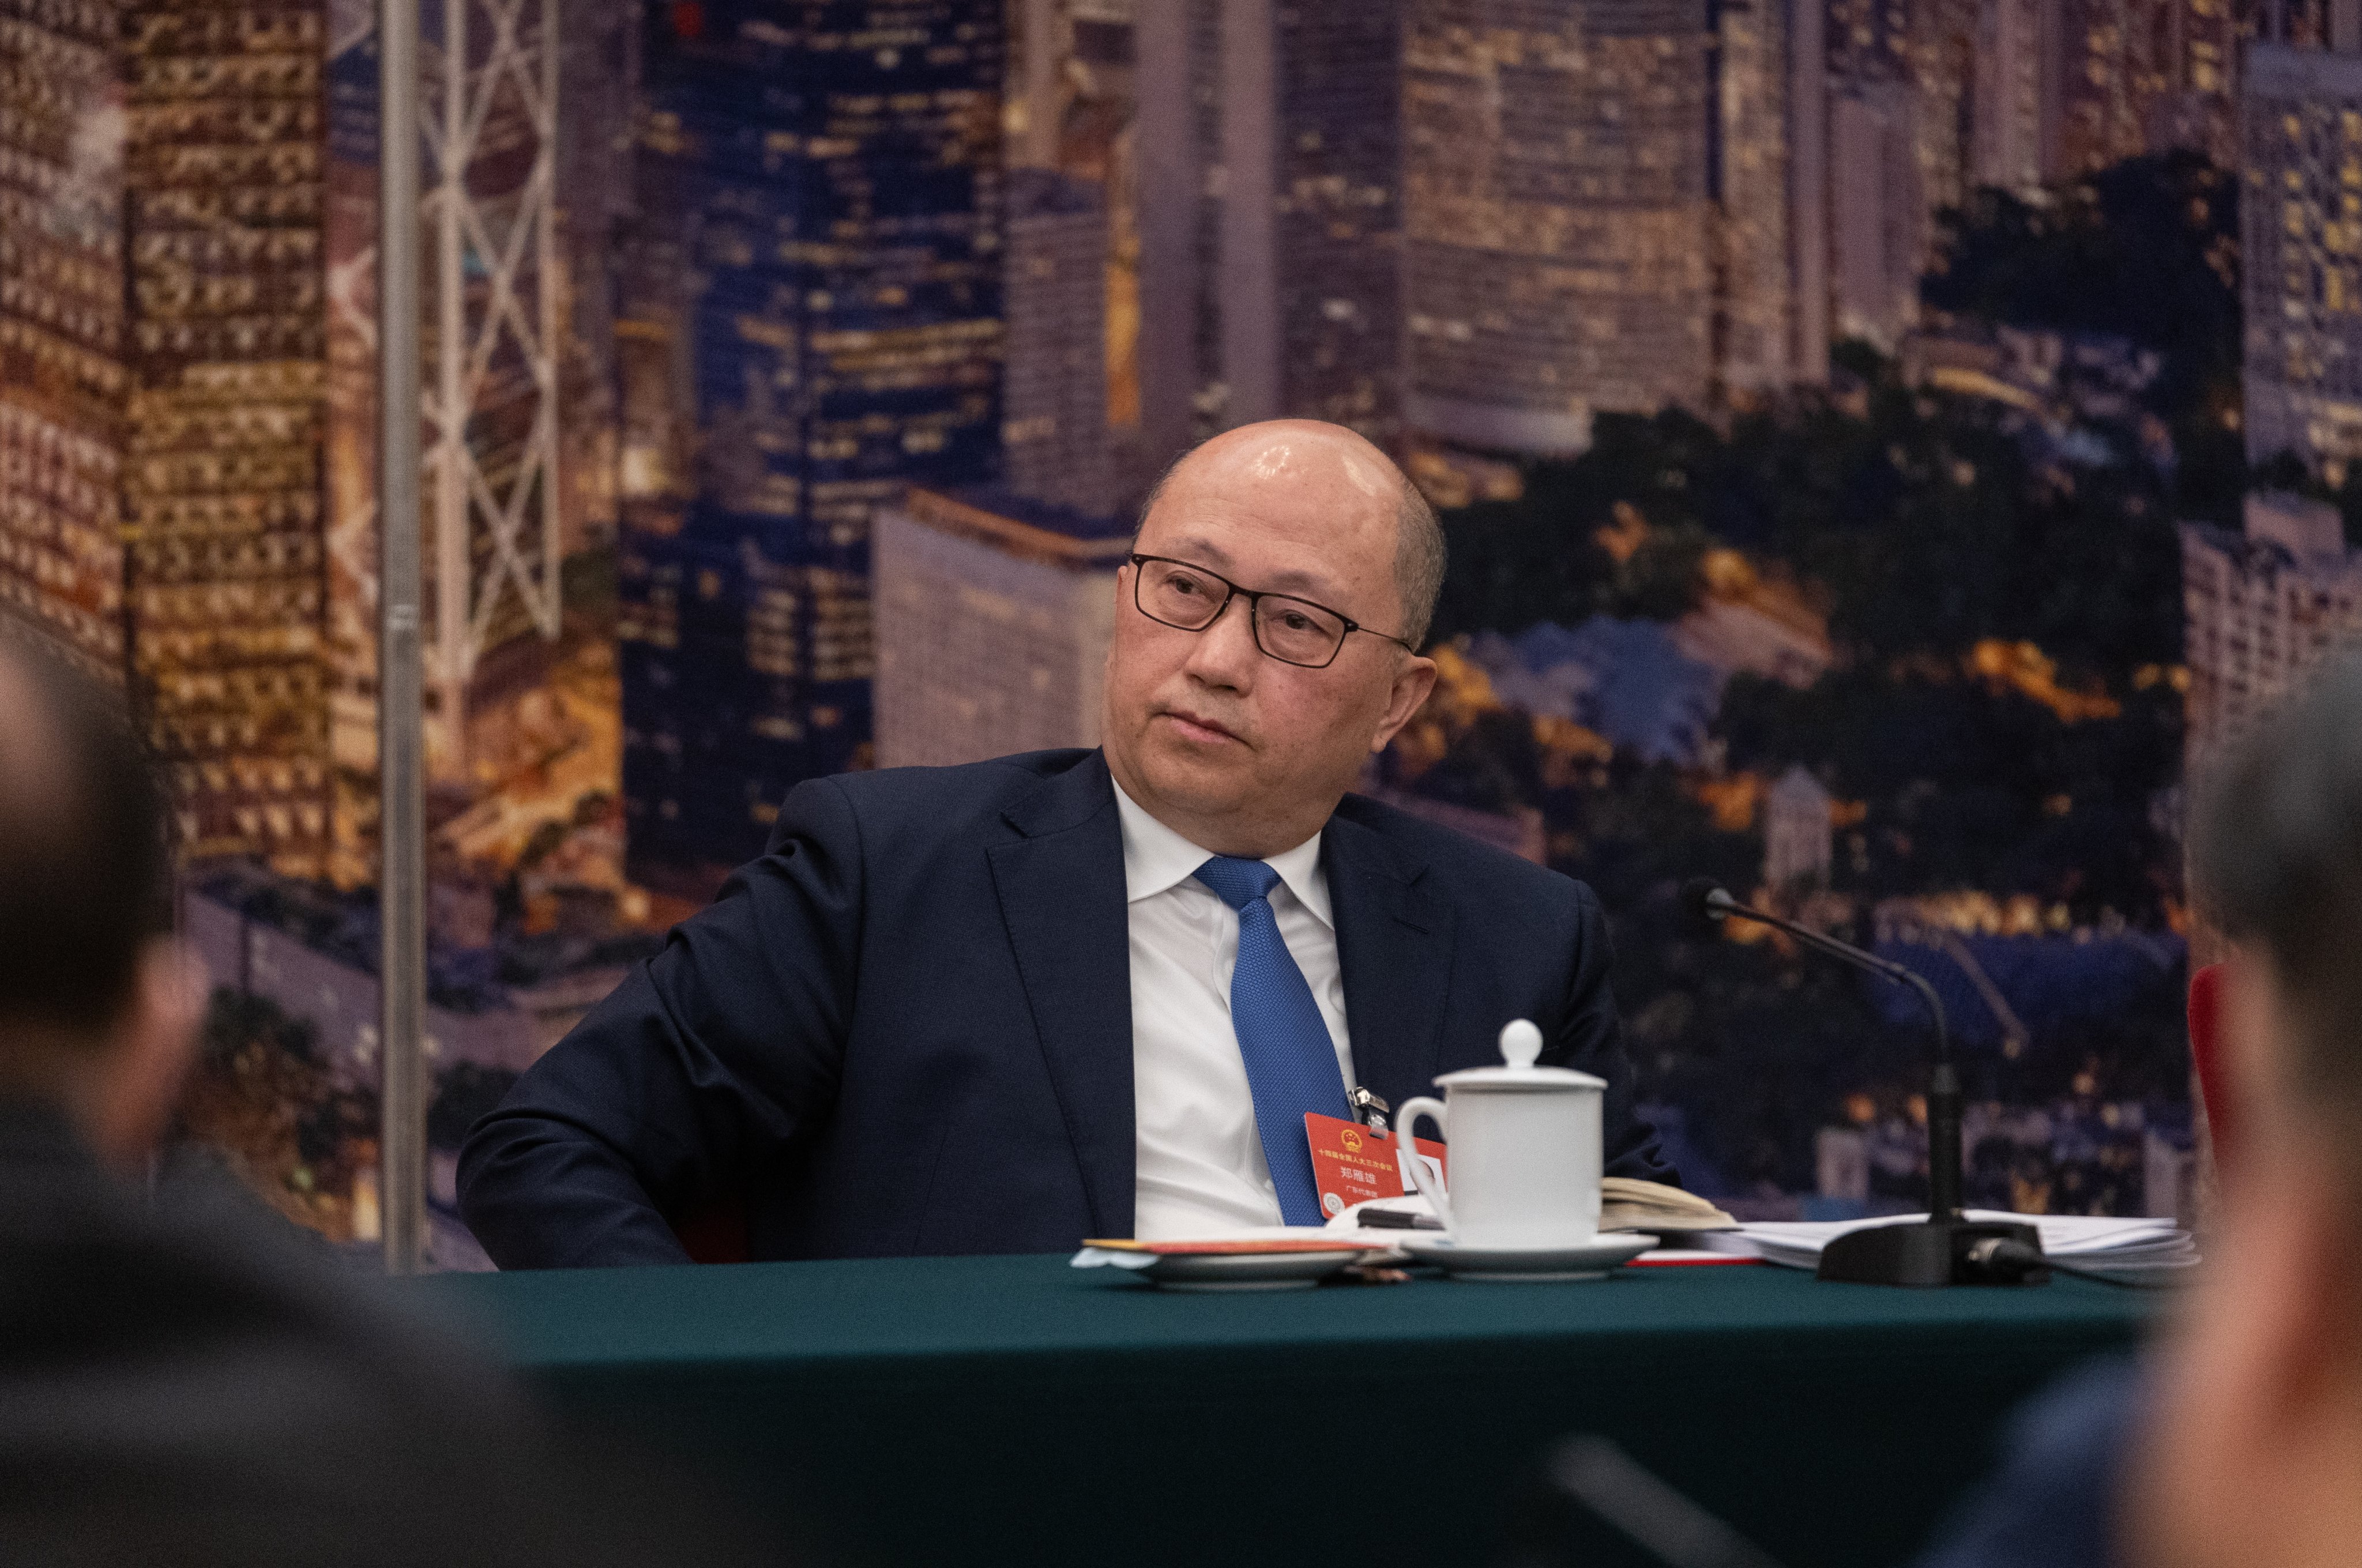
(1393, 943)
(1062, 898)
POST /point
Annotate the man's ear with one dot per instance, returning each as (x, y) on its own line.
(147, 1058)
(1413, 678)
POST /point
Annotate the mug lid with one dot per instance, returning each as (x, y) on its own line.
(1521, 1045)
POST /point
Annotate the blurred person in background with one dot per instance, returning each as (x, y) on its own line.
(2236, 1442)
(186, 1386)
(2251, 1453)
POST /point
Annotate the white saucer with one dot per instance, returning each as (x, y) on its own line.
(1591, 1260)
(1248, 1271)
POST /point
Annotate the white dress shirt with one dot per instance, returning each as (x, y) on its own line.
(1201, 1168)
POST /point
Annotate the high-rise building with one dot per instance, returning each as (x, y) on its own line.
(1943, 74)
(2300, 254)
(220, 405)
(1902, 106)
(994, 612)
(1269, 159)
(2142, 76)
(1768, 88)
(1557, 184)
(1797, 833)
(812, 322)
(1072, 109)
(2260, 608)
(1807, 139)
(1879, 219)
(1873, 40)
(2195, 103)
(523, 163)
(2063, 88)
(2015, 93)
(160, 388)
(2018, 94)
(1611, 208)
(1054, 389)
(2110, 70)
(2019, 90)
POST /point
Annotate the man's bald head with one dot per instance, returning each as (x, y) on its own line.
(1240, 749)
(1419, 557)
(82, 867)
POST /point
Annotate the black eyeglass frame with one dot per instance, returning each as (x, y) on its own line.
(1255, 599)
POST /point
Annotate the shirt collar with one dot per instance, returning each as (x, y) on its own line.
(1156, 859)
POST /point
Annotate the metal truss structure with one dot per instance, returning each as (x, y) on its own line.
(489, 93)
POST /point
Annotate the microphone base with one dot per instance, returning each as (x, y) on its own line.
(1931, 1253)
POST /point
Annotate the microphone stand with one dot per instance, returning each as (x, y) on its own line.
(1938, 1249)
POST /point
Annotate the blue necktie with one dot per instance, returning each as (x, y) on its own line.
(1291, 1062)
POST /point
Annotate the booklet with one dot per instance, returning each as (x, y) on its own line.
(1627, 1203)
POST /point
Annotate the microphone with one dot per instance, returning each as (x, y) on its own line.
(1944, 1248)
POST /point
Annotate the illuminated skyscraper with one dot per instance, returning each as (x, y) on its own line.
(1269, 166)
(2300, 215)
(1879, 230)
(2109, 71)
(1072, 111)
(2017, 93)
(1767, 216)
(216, 409)
(526, 104)
(2197, 102)
(160, 387)
(1872, 41)
(1053, 398)
(994, 612)
(2020, 90)
(1562, 170)
(2144, 75)
(812, 321)
(2260, 609)
(1942, 71)
(1898, 106)
(1611, 208)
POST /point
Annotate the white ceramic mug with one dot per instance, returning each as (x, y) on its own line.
(1525, 1150)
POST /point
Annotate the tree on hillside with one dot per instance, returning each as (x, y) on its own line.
(2148, 249)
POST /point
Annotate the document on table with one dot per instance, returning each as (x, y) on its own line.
(2131, 1250)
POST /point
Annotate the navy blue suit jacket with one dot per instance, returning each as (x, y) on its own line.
(906, 1028)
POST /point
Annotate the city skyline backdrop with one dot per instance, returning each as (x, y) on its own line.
(794, 371)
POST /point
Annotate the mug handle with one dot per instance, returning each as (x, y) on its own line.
(1407, 1153)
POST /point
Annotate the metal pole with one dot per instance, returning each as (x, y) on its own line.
(453, 601)
(402, 816)
(545, 365)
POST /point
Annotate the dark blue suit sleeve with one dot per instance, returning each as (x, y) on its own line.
(1591, 1040)
(2052, 1504)
(712, 1058)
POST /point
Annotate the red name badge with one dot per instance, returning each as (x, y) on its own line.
(1353, 1164)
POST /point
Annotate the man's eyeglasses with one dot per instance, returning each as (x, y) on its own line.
(1291, 630)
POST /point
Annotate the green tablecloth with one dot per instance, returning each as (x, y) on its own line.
(1009, 1410)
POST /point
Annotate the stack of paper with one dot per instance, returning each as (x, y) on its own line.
(2130, 1250)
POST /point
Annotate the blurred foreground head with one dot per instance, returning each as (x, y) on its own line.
(95, 1006)
(2255, 1453)
(1243, 734)
(179, 1381)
